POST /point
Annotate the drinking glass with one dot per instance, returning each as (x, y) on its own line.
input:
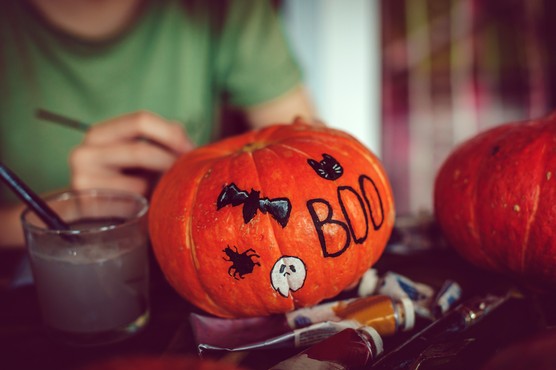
(92, 280)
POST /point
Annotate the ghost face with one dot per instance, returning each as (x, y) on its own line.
(288, 273)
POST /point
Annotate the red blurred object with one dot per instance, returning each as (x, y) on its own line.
(347, 350)
(145, 362)
(495, 200)
(534, 353)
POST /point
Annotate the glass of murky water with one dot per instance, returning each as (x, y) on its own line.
(92, 281)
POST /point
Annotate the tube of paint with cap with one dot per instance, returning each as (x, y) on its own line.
(297, 338)
(383, 313)
(349, 349)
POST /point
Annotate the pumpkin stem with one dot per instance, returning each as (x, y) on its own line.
(299, 119)
(251, 147)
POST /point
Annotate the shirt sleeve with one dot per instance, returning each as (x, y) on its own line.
(254, 63)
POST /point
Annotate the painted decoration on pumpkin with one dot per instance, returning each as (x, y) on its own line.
(242, 263)
(278, 218)
(288, 274)
(328, 168)
(367, 195)
(278, 208)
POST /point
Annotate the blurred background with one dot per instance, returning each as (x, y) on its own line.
(413, 78)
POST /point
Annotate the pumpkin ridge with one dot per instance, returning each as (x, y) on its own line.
(274, 226)
(223, 159)
(473, 224)
(208, 298)
(525, 245)
(299, 151)
(533, 217)
(214, 306)
(474, 230)
(267, 218)
(251, 292)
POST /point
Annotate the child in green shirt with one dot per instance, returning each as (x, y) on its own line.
(151, 69)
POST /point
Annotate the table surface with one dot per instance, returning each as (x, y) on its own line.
(24, 344)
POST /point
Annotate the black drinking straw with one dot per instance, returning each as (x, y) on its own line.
(35, 203)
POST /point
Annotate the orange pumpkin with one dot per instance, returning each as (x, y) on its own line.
(271, 220)
(495, 200)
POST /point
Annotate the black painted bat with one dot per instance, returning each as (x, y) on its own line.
(278, 208)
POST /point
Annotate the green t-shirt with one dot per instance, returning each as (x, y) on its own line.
(177, 60)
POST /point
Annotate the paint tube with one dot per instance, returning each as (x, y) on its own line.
(349, 349)
(368, 283)
(298, 338)
(398, 286)
(231, 333)
(383, 313)
(428, 303)
(445, 330)
(447, 296)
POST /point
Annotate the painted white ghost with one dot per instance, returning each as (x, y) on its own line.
(288, 273)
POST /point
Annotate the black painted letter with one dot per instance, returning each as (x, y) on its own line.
(328, 220)
(342, 189)
(376, 225)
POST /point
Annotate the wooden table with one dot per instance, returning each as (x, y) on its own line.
(25, 345)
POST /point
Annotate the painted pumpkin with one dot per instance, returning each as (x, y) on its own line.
(495, 200)
(271, 220)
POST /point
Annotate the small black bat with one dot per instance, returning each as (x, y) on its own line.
(278, 208)
(328, 168)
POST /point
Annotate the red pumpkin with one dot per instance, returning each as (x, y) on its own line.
(495, 200)
(270, 220)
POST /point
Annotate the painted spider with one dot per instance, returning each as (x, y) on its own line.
(242, 263)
